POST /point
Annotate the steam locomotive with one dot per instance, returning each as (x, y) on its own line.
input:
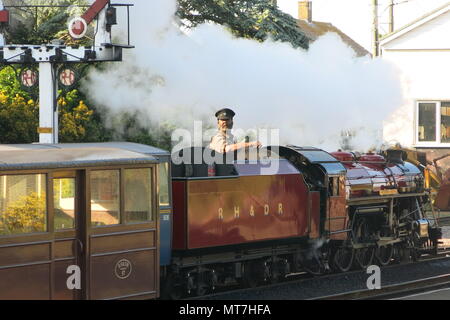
(280, 210)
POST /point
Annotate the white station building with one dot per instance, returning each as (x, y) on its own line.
(421, 52)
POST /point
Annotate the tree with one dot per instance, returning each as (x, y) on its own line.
(37, 25)
(18, 119)
(256, 19)
(19, 109)
(24, 215)
(19, 114)
(76, 120)
(136, 127)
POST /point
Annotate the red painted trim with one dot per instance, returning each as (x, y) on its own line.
(179, 215)
(314, 209)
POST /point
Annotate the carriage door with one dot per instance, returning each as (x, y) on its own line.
(122, 239)
(68, 240)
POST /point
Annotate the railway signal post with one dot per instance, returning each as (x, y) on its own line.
(52, 58)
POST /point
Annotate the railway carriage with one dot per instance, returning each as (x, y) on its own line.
(80, 221)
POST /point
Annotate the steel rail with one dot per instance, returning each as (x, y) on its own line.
(393, 291)
(351, 295)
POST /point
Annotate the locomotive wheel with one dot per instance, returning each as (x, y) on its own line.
(416, 244)
(384, 254)
(250, 277)
(313, 266)
(415, 254)
(363, 256)
(274, 272)
(402, 254)
(343, 259)
(278, 270)
(173, 288)
(202, 289)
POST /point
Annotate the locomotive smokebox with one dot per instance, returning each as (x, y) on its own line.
(395, 156)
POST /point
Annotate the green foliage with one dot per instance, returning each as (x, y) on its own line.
(19, 113)
(256, 19)
(131, 127)
(64, 187)
(24, 215)
(77, 121)
(43, 24)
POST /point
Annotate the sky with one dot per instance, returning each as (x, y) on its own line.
(354, 17)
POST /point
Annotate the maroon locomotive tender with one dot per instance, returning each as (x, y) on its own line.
(290, 209)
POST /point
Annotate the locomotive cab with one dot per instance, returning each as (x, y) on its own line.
(327, 175)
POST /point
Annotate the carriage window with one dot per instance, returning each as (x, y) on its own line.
(138, 195)
(64, 203)
(163, 184)
(23, 206)
(105, 191)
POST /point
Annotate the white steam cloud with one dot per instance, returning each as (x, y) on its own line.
(311, 96)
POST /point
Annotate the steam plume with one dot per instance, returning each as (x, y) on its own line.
(312, 96)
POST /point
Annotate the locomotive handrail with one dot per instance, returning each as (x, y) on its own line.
(206, 177)
(361, 177)
(400, 195)
(362, 161)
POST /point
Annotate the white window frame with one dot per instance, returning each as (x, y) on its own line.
(433, 144)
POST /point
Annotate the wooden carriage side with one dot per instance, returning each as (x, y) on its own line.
(78, 223)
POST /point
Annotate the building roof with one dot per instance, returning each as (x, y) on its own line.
(316, 29)
(415, 23)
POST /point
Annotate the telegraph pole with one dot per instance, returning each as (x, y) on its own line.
(391, 16)
(375, 28)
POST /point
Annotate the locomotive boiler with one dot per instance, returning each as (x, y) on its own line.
(283, 209)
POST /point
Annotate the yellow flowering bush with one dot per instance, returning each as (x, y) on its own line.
(24, 215)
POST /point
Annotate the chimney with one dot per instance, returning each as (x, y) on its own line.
(305, 10)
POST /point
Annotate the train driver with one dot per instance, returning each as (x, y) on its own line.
(224, 141)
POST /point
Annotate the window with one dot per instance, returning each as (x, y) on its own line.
(138, 195)
(433, 125)
(333, 187)
(445, 122)
(23, 205)
(427, 122)
(105, 195)
(64, 203)
(163, 184)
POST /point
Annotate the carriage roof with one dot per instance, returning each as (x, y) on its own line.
(70, 155)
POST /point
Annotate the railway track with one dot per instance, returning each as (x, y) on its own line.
(386, 291)
(394, 291)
